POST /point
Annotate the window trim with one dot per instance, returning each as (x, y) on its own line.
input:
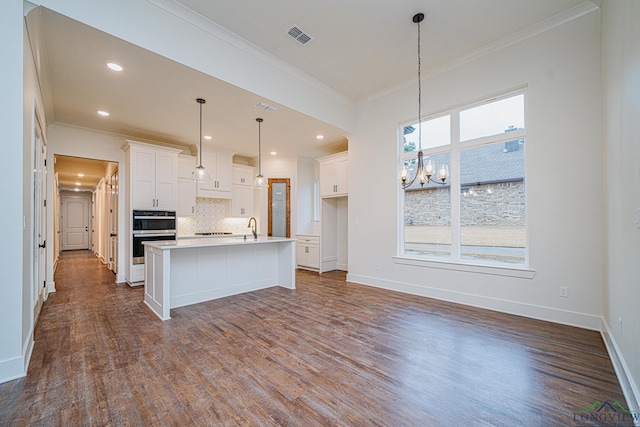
(494, 270)
(454, 147)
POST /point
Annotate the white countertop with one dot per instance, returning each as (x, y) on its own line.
(214, 236)
(200, 242)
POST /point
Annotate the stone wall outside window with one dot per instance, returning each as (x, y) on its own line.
(501, 204)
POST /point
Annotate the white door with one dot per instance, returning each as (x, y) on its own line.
(75, 223)
(40, 222)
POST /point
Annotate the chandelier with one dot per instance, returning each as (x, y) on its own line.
(425, 169)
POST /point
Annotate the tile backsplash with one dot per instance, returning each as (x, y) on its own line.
(209, 217)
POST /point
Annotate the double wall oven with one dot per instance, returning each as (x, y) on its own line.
(151, 226)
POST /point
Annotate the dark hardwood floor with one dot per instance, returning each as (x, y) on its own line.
(327, 353)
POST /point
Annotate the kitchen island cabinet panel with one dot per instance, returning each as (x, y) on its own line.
(195, 270)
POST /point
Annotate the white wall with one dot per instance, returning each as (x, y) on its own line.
(307, 174)
(621, 131)
(81, 142)
(278, 167)
(11, 170)
(564, 209)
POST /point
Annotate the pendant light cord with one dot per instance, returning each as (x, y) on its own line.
(419, 93)
(259, 120)
(200, 101)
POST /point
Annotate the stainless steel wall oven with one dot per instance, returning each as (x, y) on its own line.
(151, 226)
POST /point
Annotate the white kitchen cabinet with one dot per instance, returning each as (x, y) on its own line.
(186, 186)
(241, 201)
(308, 251)
(151, 184)
(242, 192)
(333, 175)
(243, 175)
(218, 165)
(154, 176)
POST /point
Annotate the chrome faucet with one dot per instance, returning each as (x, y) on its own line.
(254, 229)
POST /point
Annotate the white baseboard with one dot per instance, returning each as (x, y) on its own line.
(12, 369)
(51, 286)
(571, 318)
(628, 385)
(120, 278)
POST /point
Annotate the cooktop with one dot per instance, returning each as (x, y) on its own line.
(214, 233)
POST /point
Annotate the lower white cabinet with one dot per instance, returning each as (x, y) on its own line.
(308, 251)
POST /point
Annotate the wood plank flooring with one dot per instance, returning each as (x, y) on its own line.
(327, 353)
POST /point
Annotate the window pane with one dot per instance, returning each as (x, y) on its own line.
(493, 118)
(435, 133)
(492, 203)
(427, 216)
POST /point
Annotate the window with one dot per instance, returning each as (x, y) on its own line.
(478, 216)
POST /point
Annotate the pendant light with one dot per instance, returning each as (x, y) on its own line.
(200, 174)
(426, 168)
(259, 177)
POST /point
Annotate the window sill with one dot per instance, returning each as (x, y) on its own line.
(495, 270)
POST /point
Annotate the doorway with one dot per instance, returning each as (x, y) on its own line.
(279, 207)
(95, 181)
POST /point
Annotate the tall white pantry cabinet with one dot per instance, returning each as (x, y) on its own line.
(152, 184)
(334, 191)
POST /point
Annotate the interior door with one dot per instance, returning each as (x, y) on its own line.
(279, 208)
(40, 221)
(75, 223)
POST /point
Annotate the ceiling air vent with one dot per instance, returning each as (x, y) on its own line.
(297, 33)
(265, 107)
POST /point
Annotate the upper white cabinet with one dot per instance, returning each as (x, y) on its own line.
(186, 186)
(154, 176)
(333, 175)
(243, 175)
(242, 192)
(218, 165)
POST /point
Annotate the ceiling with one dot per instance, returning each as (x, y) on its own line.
(69, 168)
(359, 49)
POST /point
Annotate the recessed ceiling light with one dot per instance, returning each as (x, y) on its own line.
(103, 113)
(80, 175)
(76, 189)
(207, 137)
(78, 183)
(319, 136)
(273, 153)
(114, 66)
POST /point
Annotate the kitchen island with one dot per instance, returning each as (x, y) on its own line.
(189, 271)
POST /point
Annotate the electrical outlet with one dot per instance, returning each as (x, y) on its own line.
(620, 324)
(378, 267)
(564, 291)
